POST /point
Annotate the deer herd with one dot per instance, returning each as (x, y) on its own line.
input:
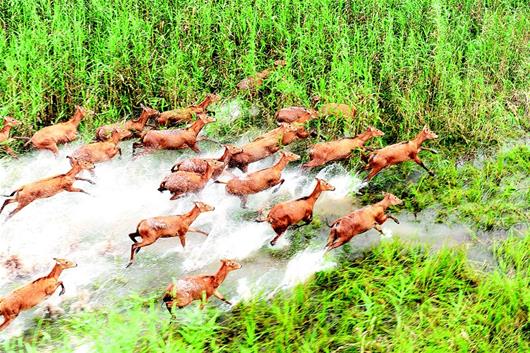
(191, 175)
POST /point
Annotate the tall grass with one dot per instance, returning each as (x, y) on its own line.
(461, 66)
(397, 298)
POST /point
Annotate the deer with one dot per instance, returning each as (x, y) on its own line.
(295, 115)
(398, 153)
(182, 292)
(199, 165)
(49, 137)
(98, 152)
(289, 213)
(335, 109)
(49, 187)
(258, 181)
(174, 139)
(32, 294)
(266, 145)
(152, 229)
(127, 129)
(252, 83)
(180, 183)
(361, 220)
(322, 153)
(9, 123)
(186, 114)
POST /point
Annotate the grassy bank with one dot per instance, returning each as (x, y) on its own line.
(396, 298)
(461, 67)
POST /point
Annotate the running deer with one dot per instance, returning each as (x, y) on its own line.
(252, 83)
(335, 109)
(180, 182)
(129, 128)
(199, 165)
(48, 187)
(100, 151)
(49, 137)
(325, 152)
(400, 152)
(286, 214)
(9, 123)
(295, 115)
(182, 292)
(186, 114)
(174, 139)
(360, 221)
(152, 229)
(33, 293)
(261, 180)
(266, 145)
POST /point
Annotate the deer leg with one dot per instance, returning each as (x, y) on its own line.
(195, 148)
(7, 321)
(393, 218)
(72, 189)
(119, 151)
(7, 202)
(243, 199)
(16, 210)
(419, 162)
(279, 233)
(378, 228)
(133, 237)
(432, 150)
(182, 240)
(83, 179)
(61, 284)
(279, 185)
(53, 148)
(243, 168)
(336, 244)
(195, 230)
(175, 196)
(221, 297)
(10, 151)
(372, 173)
(135, 248)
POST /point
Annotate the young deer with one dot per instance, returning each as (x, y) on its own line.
(100, 151)
(33, 293)
(360, 221)
(174, 139)
(252, 83)
(127, 129)
(199, 165)
(186, 114)
(180, 182)
(261, 180)
(49, 137)
(48, 187)
(152, 229)
(335, 109)
(295, 115)
(266, 145)
(9, 123)
(400, 152)
(325, 152)
(183, 291)
(286, 214)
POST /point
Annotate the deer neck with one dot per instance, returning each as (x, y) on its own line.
(420, 138)
(55, 272)
(205, 103)
(142, 120)
(220, 276)
(76, 119)
(74, 171)
(384, 203)
(281, 164)
(225, 157)
(192, 215)
(197, 126)
(315, 194)
(364, 137)
(5, 130)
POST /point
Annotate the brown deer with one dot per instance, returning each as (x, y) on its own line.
(9, 123)
(33, 293)
(286, 214)
(48, 187)
(183, 291)
(261, 180)
(335, 109)
(325, 152)
(174, 139)
(266, 145)
(152, 229)
(295, 115)
(252, 83)
(199, 165)
(400, 152)
(49, 137)
(180, 182)
(360, 221)
(127, 129)
(100, 151)
(186, 114)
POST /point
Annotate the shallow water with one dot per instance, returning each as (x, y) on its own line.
(93, 231)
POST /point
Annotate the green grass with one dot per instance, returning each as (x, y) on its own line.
(462, 67)
(397, 298)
